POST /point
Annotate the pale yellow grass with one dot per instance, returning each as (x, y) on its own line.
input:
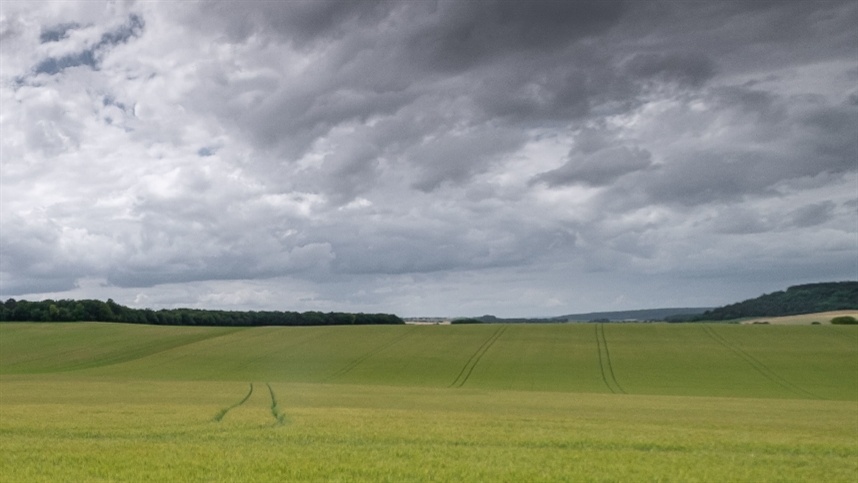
(804, 319)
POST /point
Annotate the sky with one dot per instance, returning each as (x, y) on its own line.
(427, 158)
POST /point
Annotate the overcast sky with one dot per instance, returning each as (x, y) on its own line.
(427, 157)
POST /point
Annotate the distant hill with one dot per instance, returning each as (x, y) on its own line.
(796, 300)
(646, 314)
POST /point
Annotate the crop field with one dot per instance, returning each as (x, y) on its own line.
(804, 319)
(565, 402)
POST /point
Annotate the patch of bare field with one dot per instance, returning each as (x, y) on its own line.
(804, 319)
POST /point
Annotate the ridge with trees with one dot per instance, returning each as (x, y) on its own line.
(795, 300)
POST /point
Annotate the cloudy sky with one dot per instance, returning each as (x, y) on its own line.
(427, 157)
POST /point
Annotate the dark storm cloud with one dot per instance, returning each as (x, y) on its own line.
(747, 35)
(737, 220)
(511, 57)
(442, 34)
(512, 62)
(819, 142)
(299, 21)
(813, 214)
(455, 36)
(689, 68)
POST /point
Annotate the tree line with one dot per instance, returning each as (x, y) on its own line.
(110, 311)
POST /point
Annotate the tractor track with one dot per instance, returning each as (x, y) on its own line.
(758, 366)
(220, 415)
(279, 416)
(605, 366)
(468, 368)
(146, 349)
(360, 360)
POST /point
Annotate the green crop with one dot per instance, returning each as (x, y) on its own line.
(103, 402)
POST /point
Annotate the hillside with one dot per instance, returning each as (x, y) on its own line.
(796, 300)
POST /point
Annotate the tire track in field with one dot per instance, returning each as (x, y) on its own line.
(605, 366)
(356, 362)
(468, 368)
(758, 366)
(220, 415)
(279, 417)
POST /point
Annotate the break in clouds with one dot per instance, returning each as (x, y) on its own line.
(427, 158)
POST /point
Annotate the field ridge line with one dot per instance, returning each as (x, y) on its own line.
(220, 415)
(605, 366)
(468, 368)
(758, 366)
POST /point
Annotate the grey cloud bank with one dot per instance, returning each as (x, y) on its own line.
(427, 158)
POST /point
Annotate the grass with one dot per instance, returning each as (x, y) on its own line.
(460, 403)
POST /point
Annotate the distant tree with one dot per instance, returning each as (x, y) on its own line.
(844, 320)
(78, 312)
(466, 321)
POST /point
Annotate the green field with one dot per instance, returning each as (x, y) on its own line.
(571, 402)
